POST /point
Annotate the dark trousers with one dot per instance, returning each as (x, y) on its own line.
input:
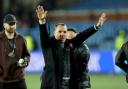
(65, 84)
(15, 85)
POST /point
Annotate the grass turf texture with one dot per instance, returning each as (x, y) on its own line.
(98, 81)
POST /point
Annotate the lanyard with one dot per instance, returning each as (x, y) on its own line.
(13, 46)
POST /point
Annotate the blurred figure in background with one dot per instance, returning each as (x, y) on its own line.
(14, 56)
(82, 56)
(122, 58)
(30, 42)
(120, 40)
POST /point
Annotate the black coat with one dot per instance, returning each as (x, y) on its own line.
(54, 56)
(82, 56)
(122, 56)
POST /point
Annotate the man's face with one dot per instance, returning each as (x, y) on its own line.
(71, 34)
(10, 27)
(61, 33)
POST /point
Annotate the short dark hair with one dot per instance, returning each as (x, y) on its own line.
(72, 29)
(63, 24)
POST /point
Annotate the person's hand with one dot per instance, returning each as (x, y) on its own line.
(101, 20)
(22, 63)
(41, 13)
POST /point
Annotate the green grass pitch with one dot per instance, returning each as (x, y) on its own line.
(97, 81)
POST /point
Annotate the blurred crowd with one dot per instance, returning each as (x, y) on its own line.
(27, 21)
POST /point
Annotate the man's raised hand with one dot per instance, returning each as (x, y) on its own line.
(41, 13)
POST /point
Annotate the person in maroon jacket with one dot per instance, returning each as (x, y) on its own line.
(14, 56)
